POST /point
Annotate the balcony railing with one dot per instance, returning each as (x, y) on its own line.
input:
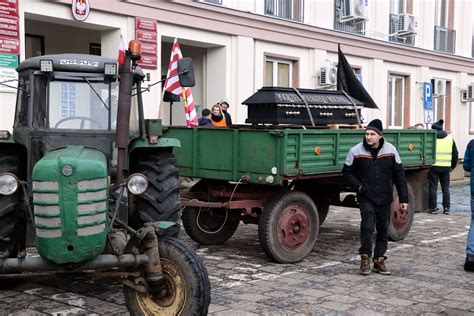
(285, 9)
(444, 39)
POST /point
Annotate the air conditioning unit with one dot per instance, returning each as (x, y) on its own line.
(438, 87)
(328, 76)
(352, 11)
(406, 25)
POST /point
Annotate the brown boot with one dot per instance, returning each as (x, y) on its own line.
(379, 266)
(364, 264)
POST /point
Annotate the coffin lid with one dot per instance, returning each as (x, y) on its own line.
(281, 95)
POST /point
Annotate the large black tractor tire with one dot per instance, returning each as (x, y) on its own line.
(288, 227)
(323, 209)
(186, 282)
(160, 202)
(401, 221)
(9, 207)
(208, 226)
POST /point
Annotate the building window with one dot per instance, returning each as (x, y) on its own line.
(95, 49)
(349, 16)
(400, 23)
(444, 34)
(285, 9)
(278, 73)
(439, 99)
(471, 117)
(396, 101)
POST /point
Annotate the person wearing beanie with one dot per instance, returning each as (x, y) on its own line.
(445, 161)
(225, 106)
(371, 168)
(468, 166)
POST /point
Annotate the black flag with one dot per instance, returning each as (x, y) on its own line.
(348, 82)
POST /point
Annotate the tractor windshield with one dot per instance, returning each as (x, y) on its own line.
(84, 104)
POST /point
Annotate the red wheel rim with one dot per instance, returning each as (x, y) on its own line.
(399, 218)
(294, 227)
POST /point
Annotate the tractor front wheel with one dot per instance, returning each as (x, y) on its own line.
(160, 202)
(186, 282)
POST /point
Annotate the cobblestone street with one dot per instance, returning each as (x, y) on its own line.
(427, 266)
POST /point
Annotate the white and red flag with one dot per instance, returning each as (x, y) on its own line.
(121, 53)
(172, 85)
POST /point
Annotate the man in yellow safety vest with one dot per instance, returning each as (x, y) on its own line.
(445, 161)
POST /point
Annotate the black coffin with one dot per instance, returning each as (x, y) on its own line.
(276, 105)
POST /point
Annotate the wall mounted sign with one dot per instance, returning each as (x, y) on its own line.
(146, 34)
(80, 9)
(9, 7)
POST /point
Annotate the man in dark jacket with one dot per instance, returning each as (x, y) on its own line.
(445, 161)
(468, 165)
(371, 168)
(224, 104)
(205, 119)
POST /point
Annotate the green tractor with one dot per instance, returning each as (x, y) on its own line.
(95, 184)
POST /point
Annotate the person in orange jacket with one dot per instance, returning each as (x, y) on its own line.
(217, 117)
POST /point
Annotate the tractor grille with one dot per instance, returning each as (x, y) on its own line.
(46, 209)
(91, 207)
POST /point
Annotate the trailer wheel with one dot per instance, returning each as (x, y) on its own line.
(401, 221)
(9, 207)
(185, 279)
(160, 202)
(288, 227)
(208, 226)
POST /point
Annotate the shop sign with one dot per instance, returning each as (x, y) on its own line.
(9, 45)
(145, 24)
(148, 62)
(5, 75)
(149, 49)
(9, 7)
(8, 61)
(80, 9)
(9, 26)
(146, 36)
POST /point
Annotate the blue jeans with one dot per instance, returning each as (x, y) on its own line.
(470, 235)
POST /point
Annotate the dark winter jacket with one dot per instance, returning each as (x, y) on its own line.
(375, 170)
(454, 156)
(228, 118)
(204, 122)
(468, 163)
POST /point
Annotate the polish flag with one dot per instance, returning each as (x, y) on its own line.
(121, 53)
(172, 85)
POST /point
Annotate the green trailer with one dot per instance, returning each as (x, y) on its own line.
(284, 180)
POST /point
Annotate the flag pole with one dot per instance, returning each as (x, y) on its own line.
(185, 102)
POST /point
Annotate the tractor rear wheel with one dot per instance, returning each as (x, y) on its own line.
(186, 282)
(160, 202)
(9, 205)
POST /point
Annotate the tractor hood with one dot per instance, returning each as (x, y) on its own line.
(70, 198)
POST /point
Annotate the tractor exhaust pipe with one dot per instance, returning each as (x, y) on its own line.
(132, 55)
(102, 262)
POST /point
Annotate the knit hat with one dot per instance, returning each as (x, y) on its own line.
(224, 101)
(438, 125)
(376, 126)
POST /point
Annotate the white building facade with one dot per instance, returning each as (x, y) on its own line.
(237, 47)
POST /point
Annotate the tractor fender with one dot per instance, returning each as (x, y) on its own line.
(168, 143)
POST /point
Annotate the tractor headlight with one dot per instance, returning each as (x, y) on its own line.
(110, 69)
(8, 184)
(46, 65)
(137, 183)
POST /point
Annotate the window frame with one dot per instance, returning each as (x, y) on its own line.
(274, 8)
(294, 68)
(391, 109)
